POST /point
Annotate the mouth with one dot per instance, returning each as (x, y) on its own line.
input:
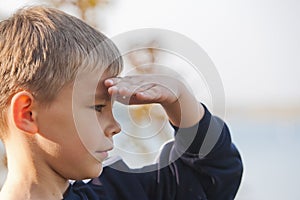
(103, 154)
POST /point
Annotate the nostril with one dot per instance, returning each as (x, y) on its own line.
(113, 129)
(118, 130)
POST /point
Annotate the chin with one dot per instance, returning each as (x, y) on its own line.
(100, 169)
(87, 172)
(95, 171)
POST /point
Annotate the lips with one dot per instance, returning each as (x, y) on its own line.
(102, 154)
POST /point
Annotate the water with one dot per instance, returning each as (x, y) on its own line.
(270, 150)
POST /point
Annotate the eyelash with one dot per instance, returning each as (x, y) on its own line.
(98, 108)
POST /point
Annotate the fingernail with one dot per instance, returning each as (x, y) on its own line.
(109, 82)
(112, 89)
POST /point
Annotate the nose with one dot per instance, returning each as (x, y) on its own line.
(113, 128)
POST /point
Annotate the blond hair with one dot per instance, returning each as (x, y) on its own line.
(41, 50)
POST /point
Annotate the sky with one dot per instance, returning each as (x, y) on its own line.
(254, 44)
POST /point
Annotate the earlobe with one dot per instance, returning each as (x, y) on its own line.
(22, 112)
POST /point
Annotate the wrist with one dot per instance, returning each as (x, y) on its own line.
(185, 111)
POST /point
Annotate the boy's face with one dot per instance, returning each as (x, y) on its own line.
(76, 131)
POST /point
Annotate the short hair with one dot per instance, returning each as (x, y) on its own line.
(41, 50)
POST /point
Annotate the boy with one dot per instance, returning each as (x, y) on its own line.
(58, 78)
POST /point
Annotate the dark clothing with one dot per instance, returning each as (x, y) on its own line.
(202, 163)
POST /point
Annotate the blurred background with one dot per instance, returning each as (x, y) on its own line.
(255, 46)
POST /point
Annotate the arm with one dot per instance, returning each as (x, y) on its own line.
(202, 156)
(171, 93)
(220, 167)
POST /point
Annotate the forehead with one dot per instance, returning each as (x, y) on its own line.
(91, 85)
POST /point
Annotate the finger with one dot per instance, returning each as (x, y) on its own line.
(157, 94)
(112, 81)
(148, 96)
(128, 88)
(144, 87)
(152, 94)
(112, 90)
(131, 91)
(120, 94)
(125, 91)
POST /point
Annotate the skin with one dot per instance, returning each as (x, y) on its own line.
(171, 93)
(50, 145)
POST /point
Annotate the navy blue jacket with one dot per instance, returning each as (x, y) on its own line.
(201, 163)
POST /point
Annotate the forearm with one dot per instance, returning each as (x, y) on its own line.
(213, 165)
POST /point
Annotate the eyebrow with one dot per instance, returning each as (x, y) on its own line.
(101, 95)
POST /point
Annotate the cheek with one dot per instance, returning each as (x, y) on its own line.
(60, 130)
(89, 130)
(76, 163)
(58, 135)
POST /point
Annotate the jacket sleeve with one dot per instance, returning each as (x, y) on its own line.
(203, 157)
(201, 163)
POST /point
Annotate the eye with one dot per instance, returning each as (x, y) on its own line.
(98, 108)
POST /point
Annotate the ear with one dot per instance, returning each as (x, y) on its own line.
(22, 112)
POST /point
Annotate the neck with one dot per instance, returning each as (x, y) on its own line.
(29, 178)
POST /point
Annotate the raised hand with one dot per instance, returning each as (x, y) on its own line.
(181, 106)
(144, 89)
